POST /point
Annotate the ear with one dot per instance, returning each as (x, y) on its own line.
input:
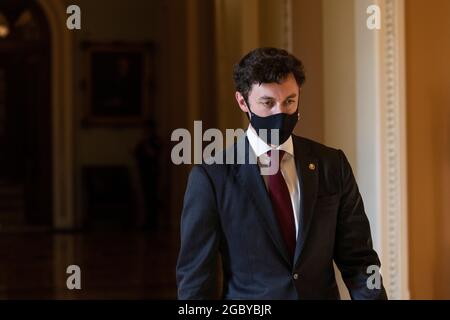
(241, 101)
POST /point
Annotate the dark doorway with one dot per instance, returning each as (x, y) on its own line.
(25, 115)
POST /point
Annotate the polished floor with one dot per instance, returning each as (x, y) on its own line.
(114, 264)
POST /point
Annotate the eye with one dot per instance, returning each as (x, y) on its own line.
(290, 102)
(267, 103)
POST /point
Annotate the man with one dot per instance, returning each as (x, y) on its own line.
(277, 234)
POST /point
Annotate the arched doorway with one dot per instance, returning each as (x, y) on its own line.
(25, 115)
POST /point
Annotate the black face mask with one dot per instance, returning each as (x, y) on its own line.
(285, 123)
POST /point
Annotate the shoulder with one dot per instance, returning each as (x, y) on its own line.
(222, 164)
(315, 148)
(333, 160)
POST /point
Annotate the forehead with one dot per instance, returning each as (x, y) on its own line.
(285, 88)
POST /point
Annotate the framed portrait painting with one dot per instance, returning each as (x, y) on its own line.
(118, 83)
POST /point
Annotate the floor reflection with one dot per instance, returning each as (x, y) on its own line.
(114, 265)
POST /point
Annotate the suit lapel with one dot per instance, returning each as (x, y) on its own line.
(249, 177)
(307, 170)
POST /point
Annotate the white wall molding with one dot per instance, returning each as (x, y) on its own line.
(381, 141)
(364, 85)
(393, 144)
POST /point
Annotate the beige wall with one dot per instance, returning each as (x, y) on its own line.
(308, 46)
(338, 94)
(428, 109)
(339, 76)
(270, 18)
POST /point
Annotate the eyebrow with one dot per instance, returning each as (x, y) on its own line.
(272, 98)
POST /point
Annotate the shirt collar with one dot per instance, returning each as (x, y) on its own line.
(260, 147)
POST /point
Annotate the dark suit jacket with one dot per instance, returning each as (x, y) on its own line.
(227, 211)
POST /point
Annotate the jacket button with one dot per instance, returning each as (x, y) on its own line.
(295, 276)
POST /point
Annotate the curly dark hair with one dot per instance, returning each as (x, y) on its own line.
(266, 65)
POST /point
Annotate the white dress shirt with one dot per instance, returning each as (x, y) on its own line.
(287, 165)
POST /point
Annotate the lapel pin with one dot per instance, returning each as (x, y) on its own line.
(312, 166)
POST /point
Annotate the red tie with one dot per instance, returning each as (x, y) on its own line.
(281, 203)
